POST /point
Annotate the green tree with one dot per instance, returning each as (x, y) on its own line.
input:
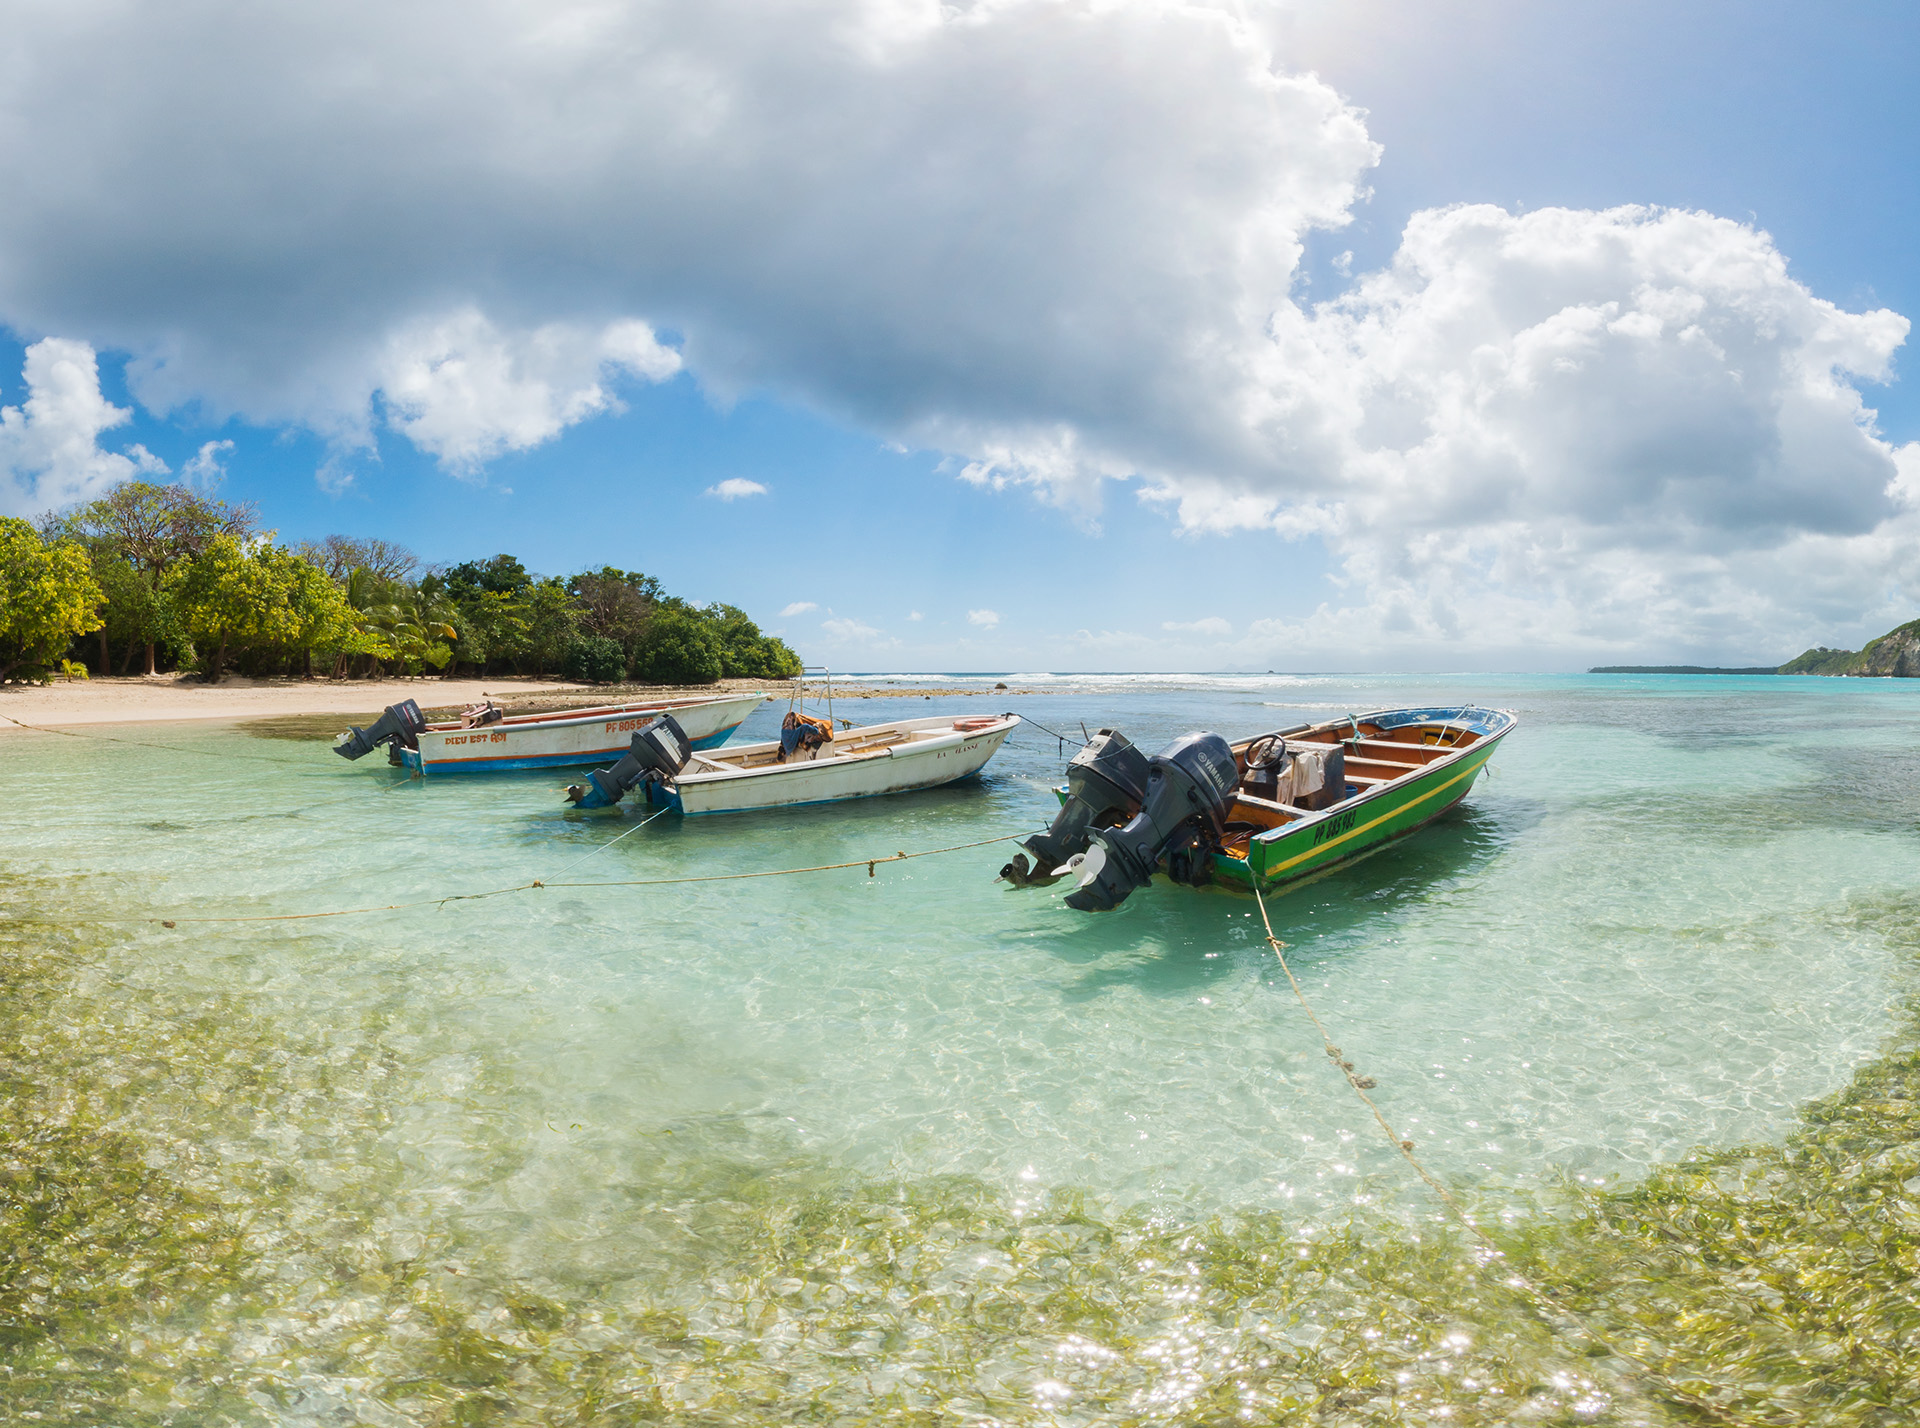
(322, 617)
(680, 647)
(153, 528)
(132, 617)
(594, 659)
(48, 595)
(501, 575)
(551, 620)
(616, 605)
(418, 624)
(745, 653)
(492, 612)
(490, 627)
(231, 595)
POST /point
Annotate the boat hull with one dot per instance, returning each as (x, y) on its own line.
(925, 763)
(1323, 841)
(588, 737)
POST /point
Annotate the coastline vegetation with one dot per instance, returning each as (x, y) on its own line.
(165, 578)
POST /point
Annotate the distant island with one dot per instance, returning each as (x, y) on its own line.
(1895, 655)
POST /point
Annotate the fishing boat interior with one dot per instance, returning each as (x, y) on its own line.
(847, 744)
(1288, 774)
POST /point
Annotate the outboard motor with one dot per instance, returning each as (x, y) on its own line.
(1105, 783)
(654, 754)
(1189, 790)
(400, 726)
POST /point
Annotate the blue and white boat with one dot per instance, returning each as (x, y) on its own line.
(487, 740)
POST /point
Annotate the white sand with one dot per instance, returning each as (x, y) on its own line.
(142, 699)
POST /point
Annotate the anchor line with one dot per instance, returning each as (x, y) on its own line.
(1543, 1299)
(868, 863)
(388, 787)
(611, 841)
(144, 744)
(1064, 739)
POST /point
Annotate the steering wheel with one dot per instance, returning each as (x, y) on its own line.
(1266, 752)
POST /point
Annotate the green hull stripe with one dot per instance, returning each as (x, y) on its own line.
(1394, 812)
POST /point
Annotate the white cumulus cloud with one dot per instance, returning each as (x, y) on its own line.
(911, 215)
(462, 389)
(207, 467)
(985, 619)
(1059, 240)
(1577, 429)
(50, 452)
(798, 607)
(735, 488)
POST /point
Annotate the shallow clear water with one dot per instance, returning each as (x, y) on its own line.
(1651, 929)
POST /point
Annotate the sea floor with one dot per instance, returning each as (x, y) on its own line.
(913, 1146)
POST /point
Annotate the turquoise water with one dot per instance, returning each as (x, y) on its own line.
(1663, 923)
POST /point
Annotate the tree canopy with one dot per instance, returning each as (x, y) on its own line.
(194, 582)
(47, 596)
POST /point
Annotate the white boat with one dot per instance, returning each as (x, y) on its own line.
(485, 740)
(874, 759)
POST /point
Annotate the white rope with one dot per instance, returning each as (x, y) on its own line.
(665, 807)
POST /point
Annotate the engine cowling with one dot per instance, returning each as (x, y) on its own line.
(400, 724)
(657, 753)
(1189, 789)
(1105, 783)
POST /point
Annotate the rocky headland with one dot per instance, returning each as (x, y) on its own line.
(1895, 655)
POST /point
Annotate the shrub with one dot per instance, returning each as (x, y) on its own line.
(678, 648)
(594, 659)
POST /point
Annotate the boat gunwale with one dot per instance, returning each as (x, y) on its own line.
(562, 718)
(1000, 727)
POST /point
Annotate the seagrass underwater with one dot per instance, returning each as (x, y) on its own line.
(916, 1147)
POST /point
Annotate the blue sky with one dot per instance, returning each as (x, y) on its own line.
(957, 355)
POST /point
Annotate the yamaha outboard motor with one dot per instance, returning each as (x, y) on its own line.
(400, 726)
(1105, 783)
(655, 753)
(1189, 790)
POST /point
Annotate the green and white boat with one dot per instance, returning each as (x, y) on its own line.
(1261, 813)
(1403, 769)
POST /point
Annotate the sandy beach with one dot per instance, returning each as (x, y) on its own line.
(167, 697)
(161, 698)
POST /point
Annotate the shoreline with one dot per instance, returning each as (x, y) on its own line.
(172, 698)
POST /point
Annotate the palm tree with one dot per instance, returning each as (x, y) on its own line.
(419, 625)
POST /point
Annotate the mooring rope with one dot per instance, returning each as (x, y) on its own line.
(144, 744)
(387, 787)
(1064, 739)
(869, 863)
(1544, 1300)
(663, 808)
